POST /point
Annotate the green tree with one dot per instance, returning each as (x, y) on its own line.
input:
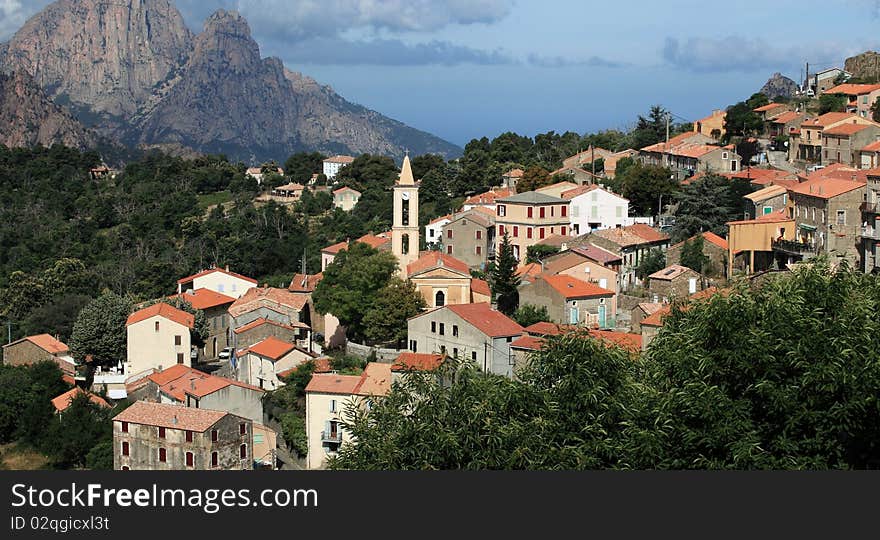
(73, 435)
(832, 103)
(537, 252)
(527, 315)
(422, 165)
(653, 261)
(503, 280)
(706, 205)
(352, 283)
(100, 457)
(644, 185)
(293, 427)
(99, 329)
(875, 110)
(302, 165)
(692, 254)
(385, 321)
(652, 129)
(532, 179)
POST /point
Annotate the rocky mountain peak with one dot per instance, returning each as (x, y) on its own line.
(226, 43)
(779, 86)
(865, 66)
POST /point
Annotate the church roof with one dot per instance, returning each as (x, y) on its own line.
(406, 174)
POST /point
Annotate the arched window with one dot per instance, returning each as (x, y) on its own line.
(440, 299)
(404, 244)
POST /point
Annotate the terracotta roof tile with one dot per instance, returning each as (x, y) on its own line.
(570, 287)
(204, 298)
(322, 365)
(417, 361)
(853, 89)
(62, 402)
(847, 129)
(596, 253)
(826, 188)
(670, 272)
(305, 283)
(480, 286)
(179, 380)
(260, 322)
(436, 259)
(632, 235)
(873, 147)
(631, 342)
(332, 383)
(45, 342)
(530, 343)
(489, 197)
(549, 329)
(162, 310)
(170, 416)
(272, 348)
(279, 299)
(345, 160)
(343, 189)
(491, 322)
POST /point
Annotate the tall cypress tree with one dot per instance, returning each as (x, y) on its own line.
(503, 279)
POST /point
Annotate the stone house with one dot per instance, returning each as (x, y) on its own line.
(260, 329)
(843, 143)
(571, 301)
(470, 237)
(785, 124)
(806, 143)
(275, 304)
(871, 224)
(34, 349)
(260, 364)
(158, 436)
(870, 156)
(578, 263)
(674, 281)
(215, 306)
(765, 201)
(474, 332)
(640, 312)
(631, 244)
(714, 247)
(827, 212)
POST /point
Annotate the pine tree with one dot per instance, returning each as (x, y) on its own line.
(503, 279)
(692, 254)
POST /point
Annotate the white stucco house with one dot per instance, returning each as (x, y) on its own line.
(593, 208)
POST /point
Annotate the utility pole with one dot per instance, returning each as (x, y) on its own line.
(666, 148)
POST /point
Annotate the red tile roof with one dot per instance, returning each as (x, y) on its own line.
(549, 329)
(332, 383)
(596, 253)
(632, 235)
(162, 310)
(786, 117)
(170, 416)
(374, 241)
(417, 361)
(847, 129)
(305, 283)
(269, 297)
(769, 107)
(62, 402)
(335, 248)
(45, 342)
(179, 381)
(631, 342)
(375, 380)
(715, 239)
(826, 188)
(480, 286)
(774, 217)
(439, 219)
(487, 320)
(656, 318)
(437, 259)
(829, 118)
(344, 189)
(530, 343)
(339, 159)
(204, 298)
(489, 197)
(272, 348)
(322, 365)
(853, 89)
(529, 270)
(873, 147)
(211, 271)
(570, 287)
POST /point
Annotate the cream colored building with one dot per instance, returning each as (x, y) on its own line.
(218, 280)
(441, 279)
(260, 364)
(528, 218)
(158, 338)
(405, 231)
(327, 396)
(346, 198)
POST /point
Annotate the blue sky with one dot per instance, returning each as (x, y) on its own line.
(467, 68)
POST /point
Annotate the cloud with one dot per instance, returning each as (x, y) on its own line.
(561, 62)
(389, 52)
(13, 15)
(732, 53)
(314, 18)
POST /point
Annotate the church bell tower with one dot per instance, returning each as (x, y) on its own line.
(405, 232)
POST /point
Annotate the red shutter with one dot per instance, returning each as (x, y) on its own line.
(564, 211)
(531, 213)
(541, 232)
(189, 459)
(542, 212)
(515, 231)
(529, 232)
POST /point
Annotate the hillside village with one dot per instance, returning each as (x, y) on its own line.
(214, 369)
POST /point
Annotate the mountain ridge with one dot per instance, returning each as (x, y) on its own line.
(155, 84)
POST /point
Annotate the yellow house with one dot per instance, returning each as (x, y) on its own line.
(712, 125)
(158, 338)
(327, 396)
(757, 236)
(441, 279)
(528, 218)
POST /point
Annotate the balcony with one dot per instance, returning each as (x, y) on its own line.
(871, 232)
(794, 248)
(334, 437)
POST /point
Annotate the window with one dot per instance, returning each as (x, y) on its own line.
(177, 340)
(449, 250)
(841, 217)
(542, 213)
(161, 433)
(242, 429)
(552, 211)
(242, 451)
(125, 449)
(474, 355)
(531, 213)
(449, 233)
(433, 327)
(440, 301)
(125, 427)
(163, 455)
(723, 155)
(215, 459)
(478, 235)
(180, 358)
(529, 232)
(618, 211)
(190, 461)
(502, 210)
(455, 352)
(515, 231)
(478, 250)
(541, 232)
(189, 436)
(455, 330)
(125, 468)
(220, 288)
(563, 211)
(157, 326)
(442, 329)
(501, 230)
(332, 405)
(214, 435)
(412, 345)
(562, 231)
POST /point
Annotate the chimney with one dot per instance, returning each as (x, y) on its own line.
(227, 268)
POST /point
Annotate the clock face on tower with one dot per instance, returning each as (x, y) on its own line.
(405, 196)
